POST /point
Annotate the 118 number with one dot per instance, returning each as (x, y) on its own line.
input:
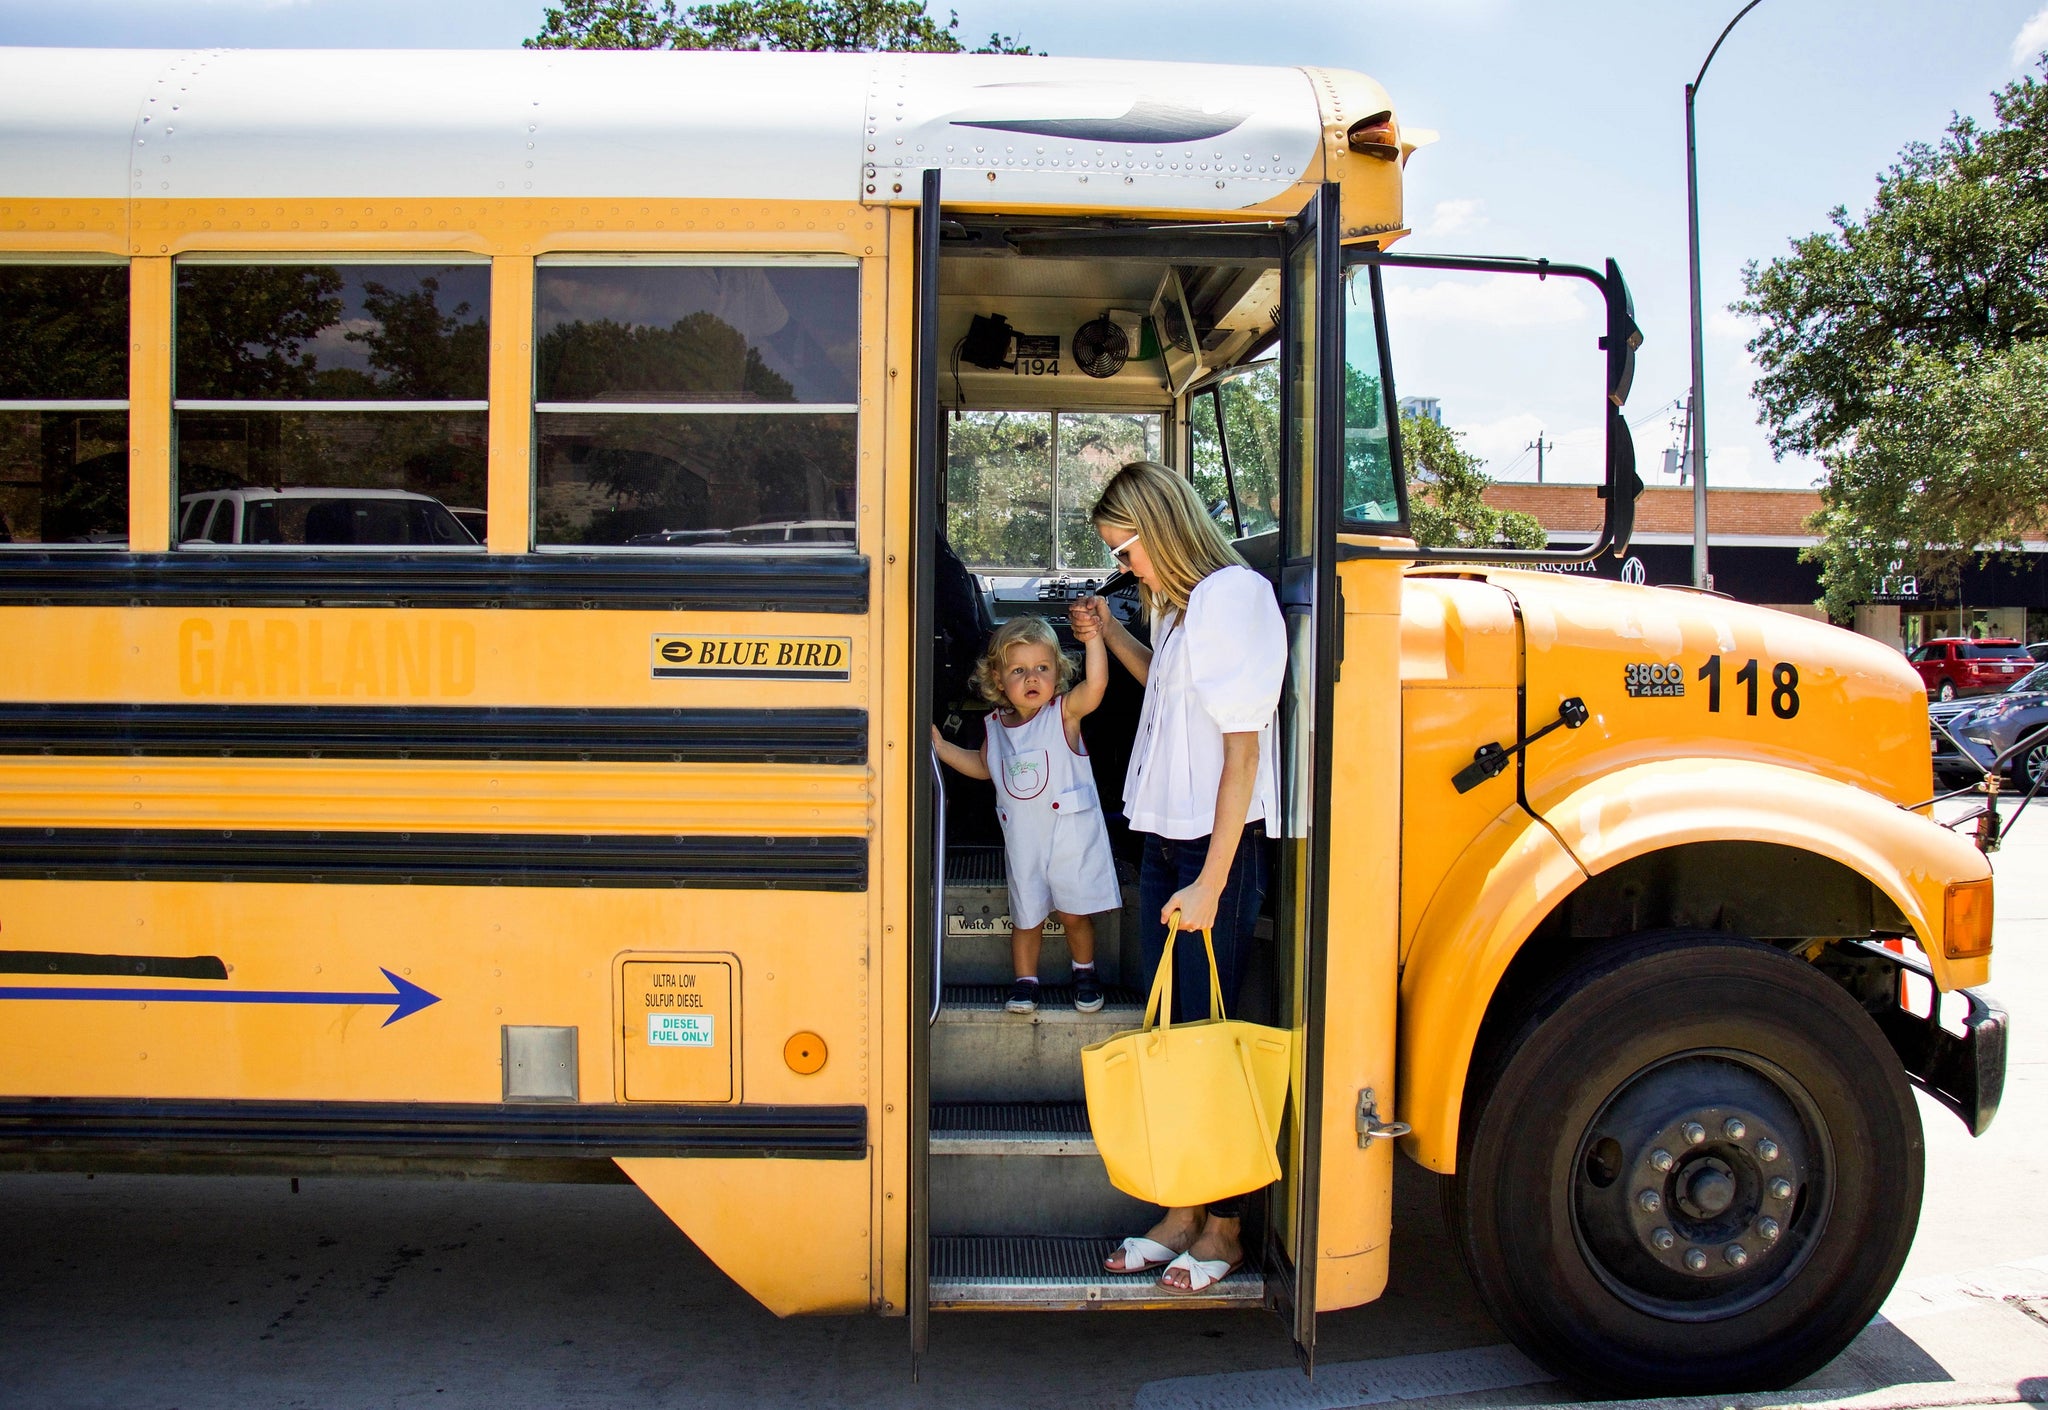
(1784, 686)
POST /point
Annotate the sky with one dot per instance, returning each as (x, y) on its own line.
(1561, 134)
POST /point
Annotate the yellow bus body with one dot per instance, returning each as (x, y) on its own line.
(1431, 894)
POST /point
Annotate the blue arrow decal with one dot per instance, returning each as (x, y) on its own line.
(405, 997)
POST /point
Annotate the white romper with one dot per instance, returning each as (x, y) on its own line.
(1053, 834)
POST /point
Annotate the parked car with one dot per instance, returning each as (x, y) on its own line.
(1953, 666)
(319, 516)
(2038, 650)
(1974, 732)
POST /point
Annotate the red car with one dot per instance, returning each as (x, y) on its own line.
(1953, 666)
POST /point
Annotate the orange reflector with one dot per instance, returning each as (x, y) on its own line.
(1966, 931)
(1374, 136)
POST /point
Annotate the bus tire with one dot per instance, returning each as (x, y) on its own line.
(1617, 1198)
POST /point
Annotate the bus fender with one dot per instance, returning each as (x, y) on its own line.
(1516, 872)
(1669, 803)
(1513, 874)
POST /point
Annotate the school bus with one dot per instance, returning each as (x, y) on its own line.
(487, 535)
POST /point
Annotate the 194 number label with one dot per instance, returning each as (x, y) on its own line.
(1784, 691)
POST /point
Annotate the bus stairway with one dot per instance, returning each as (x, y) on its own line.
(1022, 1212)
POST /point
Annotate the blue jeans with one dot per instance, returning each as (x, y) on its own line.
(1167, 865)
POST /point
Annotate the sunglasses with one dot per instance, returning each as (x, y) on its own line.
(1122, 552)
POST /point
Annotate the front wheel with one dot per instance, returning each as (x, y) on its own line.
(2033, 764)
(1945, 691)
(1697, 1168)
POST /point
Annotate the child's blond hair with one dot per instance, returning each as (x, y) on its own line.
(1019, 631)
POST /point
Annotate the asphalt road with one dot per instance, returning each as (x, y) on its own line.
(207, 1291)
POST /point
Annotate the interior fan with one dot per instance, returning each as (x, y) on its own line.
(1174, 325)
(1101, 348)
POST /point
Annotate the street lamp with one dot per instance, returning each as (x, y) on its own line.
(1700, 576)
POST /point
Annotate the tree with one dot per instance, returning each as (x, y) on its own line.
(1447, 493)
(1906, 351)
(859, 25)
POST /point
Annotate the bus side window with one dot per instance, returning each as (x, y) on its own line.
(64, 378)
(689, 405)
(348, 396)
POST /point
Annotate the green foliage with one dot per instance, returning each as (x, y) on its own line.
(999, 483)
(1903, 350)
(63, 331)
(700, 357)
(419, 353)
(899, 26)
(1446, 494)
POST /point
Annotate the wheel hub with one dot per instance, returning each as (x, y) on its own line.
(1696, 1192)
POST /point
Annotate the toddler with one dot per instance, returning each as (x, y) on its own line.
(1056, 846)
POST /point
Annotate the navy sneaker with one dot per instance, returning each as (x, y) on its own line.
(1023, 997)
(1087, 989)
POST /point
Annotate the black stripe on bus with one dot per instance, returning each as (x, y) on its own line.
(639, 582)
(433, 858)
(148, 966)
(425, 1130)
(836, 736)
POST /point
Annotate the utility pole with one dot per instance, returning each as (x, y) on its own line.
(1700, 576)
(1537, 446)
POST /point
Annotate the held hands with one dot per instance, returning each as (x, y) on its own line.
(1089, 616)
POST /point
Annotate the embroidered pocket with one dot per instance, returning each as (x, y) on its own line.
(1026, 773)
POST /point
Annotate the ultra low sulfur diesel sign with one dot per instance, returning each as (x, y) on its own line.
(813, 658)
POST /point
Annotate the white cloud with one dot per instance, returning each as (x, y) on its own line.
(1493, 300)
(2032, 39)
(1724, 323)
(1449, 218)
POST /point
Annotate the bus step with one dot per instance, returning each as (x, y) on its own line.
(988, 1274)
(977, 921)
(980, 1053)
(1022, 1168)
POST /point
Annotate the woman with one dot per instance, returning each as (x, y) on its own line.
(1203, 783)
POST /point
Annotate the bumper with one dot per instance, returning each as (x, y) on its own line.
(1964, 1072)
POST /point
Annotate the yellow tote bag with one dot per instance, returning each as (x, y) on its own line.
(1188, 1113)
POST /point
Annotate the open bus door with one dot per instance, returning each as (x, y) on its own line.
(1311, 465)
(927, 790)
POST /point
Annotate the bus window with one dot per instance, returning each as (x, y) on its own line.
(63, 404)
(1020, 484)
(1250, 403)
(1372, 491)
(688, 405)
(339, 404)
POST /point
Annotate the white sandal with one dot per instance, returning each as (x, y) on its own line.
(1203, 1273)
(1149, 1253)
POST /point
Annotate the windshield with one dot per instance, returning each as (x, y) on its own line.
(1020, 484)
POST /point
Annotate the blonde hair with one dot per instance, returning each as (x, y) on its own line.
(1019, 631)
(1162, 509)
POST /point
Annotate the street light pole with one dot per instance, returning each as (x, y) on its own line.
(1700, 576)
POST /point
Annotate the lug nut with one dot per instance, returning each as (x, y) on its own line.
(1737, 1255)
(1660, 1160)
(1696, 1259)
(1663, 1239)
(1767, 1149)
(1734, 1128)
(1781, 1188)
(1650, 1201)
(1767, 1229)
(1694, 1133)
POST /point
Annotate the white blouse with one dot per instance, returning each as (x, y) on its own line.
(1216, 672)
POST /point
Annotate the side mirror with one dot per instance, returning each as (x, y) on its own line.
(1616, 343)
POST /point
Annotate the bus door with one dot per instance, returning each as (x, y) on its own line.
(1311, 464)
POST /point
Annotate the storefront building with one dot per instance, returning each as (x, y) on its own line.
(1754, 541)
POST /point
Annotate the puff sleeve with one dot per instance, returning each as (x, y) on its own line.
(1236, 649)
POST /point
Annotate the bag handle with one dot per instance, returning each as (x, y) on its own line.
(1156, 1007)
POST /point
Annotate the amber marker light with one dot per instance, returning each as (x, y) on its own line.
(1966, 927)
(1375, 137)
(805, 1053)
